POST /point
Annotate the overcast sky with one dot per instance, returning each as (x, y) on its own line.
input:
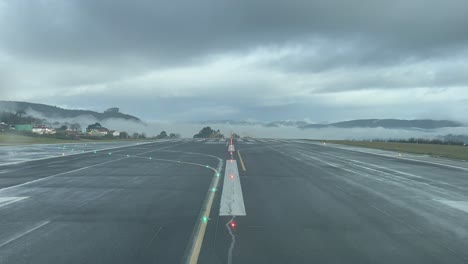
(260, 60)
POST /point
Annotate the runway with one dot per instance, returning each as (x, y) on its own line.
(302, 202)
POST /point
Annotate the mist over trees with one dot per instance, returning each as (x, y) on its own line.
(19, 117)
(124, 135)
(164, 134)
(174, 135)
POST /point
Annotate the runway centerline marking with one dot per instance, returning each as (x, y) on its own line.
(232, 200)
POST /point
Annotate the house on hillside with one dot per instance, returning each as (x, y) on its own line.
(99, 132)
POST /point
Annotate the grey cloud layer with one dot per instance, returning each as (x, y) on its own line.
(170, 31)
(273, 58)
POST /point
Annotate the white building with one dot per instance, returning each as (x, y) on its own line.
(100, 132)
(43, 130)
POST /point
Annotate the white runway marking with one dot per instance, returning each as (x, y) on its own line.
(72, 154)
(214, 142)
(9, 200)
(55, 175)
(24, 233)
(154, 237)
(82, 168)
(392, 154)
(232, 201)
(462, 206)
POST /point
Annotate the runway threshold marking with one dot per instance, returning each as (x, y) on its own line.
(241, 161)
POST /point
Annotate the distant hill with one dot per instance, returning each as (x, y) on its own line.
(53, 112)
(390, 124)
(287, 123)
(229, 122)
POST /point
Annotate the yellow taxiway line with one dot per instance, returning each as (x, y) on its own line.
(241, 160)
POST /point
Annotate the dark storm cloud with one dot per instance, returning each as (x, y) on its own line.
(168, 32)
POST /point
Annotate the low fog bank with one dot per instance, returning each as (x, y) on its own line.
(188, 130)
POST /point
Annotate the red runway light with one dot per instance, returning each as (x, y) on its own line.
(233, 224)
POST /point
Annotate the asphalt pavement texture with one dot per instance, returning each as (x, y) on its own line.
(305, 202)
